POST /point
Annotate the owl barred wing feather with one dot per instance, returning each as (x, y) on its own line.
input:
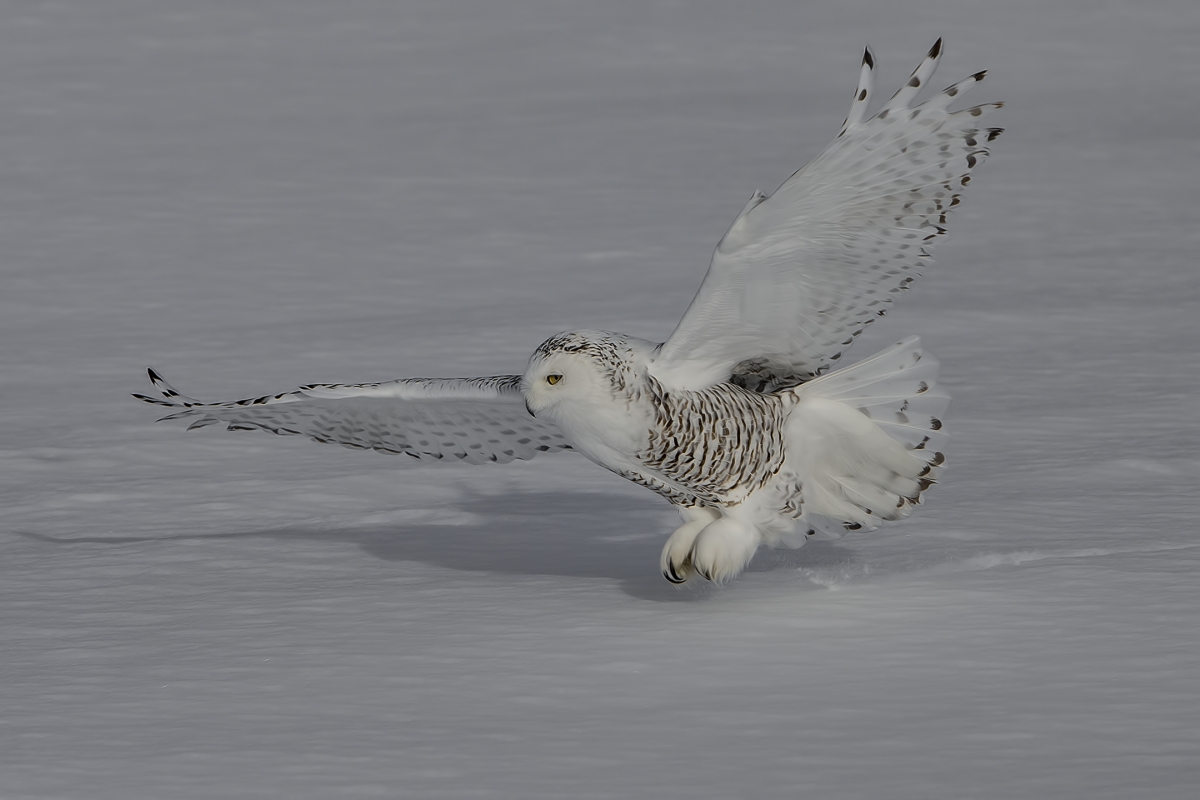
(800, 274)
(474, 420)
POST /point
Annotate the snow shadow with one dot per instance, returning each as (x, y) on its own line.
(576, 535)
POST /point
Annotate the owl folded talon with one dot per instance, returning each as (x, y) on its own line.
(677, 576)
(672, 576)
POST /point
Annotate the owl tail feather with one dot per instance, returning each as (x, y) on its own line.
(869, 439)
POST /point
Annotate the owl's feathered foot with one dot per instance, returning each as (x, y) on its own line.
(723, 549)
(716, 547)
(676, 560)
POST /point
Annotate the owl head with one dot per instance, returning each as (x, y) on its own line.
(576, 368)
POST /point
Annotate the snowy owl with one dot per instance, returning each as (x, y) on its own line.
(735, 419)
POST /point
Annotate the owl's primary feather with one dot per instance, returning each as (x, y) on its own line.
(735, 419)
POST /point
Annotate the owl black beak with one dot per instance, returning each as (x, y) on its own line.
(530, 410)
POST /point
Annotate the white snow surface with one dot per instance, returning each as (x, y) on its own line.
(252, 196)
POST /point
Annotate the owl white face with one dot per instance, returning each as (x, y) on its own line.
(562, 378)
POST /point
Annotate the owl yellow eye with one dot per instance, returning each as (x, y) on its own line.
(553, 379)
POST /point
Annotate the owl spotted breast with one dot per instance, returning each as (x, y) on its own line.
(737, 418)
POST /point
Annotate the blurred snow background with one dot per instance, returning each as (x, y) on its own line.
(250, 196)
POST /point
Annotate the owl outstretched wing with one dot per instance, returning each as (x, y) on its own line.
(801, 273)
(475, 420)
